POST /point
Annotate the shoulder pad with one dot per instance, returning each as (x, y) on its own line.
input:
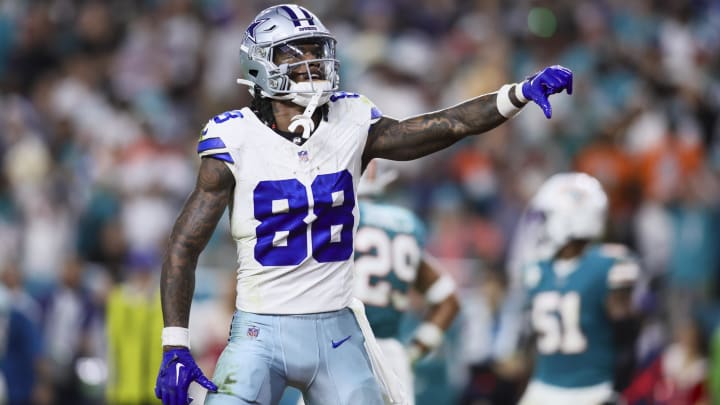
(343, 94)
(615, 251)
(623, 273)
(360, 106)
(227, 115)
(211, 141)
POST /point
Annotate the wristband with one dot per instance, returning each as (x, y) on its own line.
(442, 288)
(415, 353)
(176, 336)
(429, 335)
(510, 99)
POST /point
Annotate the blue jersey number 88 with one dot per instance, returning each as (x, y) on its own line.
(281, 206)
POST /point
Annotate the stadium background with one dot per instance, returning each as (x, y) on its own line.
(101, 104)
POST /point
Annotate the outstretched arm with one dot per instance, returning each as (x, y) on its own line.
(421, 135)
(424, 134)
(191, 232)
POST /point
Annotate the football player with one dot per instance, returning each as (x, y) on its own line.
(577, 291)
(288, 167)
(389, 261)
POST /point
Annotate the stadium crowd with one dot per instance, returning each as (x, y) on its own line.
(102, 103)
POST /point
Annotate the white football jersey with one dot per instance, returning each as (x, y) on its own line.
(294, 210)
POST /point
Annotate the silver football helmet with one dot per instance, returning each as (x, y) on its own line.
(290, 55)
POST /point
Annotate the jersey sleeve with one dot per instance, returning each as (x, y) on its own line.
(625, 269)
(623, 273)
(213, 139)
(362, 109)
(375, 113)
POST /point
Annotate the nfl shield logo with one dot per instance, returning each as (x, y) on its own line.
(253, 332)
(303, 155)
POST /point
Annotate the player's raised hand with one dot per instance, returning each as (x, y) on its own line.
(542, 84)
(177, 371)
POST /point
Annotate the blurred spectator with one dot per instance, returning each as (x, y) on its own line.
(678, 376)
(134, 322)
(99, 235)
(221, 67)
(665, 163)
(605, 159)
(68, 313)
(33, 53)
(10, 224)
(694, 258)
(490, 334)
(26, 374)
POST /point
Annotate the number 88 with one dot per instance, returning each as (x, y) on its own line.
(282, 206)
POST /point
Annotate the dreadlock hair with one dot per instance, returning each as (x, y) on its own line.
(262, 107)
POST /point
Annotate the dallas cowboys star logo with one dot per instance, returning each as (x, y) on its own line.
(253, 27)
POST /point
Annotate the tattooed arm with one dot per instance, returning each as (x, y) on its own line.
(424, 134)
(191, 232)
(427, 133)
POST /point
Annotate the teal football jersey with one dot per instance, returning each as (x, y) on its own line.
(569, 316)
(388, 250)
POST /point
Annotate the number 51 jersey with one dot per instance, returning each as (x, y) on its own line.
(294, 208)
(569, 314)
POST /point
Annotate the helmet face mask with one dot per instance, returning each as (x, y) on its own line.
(290, 55)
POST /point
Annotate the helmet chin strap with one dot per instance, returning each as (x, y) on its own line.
(251, 89)
(300, 98)
(305, 119)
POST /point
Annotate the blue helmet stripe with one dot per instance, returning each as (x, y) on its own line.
(210, 143)
(375, 113)
(293, 16)
(307, 15)
(253, 27)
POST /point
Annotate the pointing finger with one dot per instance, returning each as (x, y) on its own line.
(203, 381)
(545, 105)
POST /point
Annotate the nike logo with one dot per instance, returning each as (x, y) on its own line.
(339, 342)
(177, 372)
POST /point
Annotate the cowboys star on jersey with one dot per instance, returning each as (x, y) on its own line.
(294, 234)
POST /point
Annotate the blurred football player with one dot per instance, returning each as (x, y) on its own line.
(389, 261)
(288, 167)
(577, 291)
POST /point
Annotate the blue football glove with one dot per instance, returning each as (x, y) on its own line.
(542, 84)
(177, 371)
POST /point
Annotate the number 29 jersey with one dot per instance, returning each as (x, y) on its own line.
(388, 250)
(569, 315)
(294, 209)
